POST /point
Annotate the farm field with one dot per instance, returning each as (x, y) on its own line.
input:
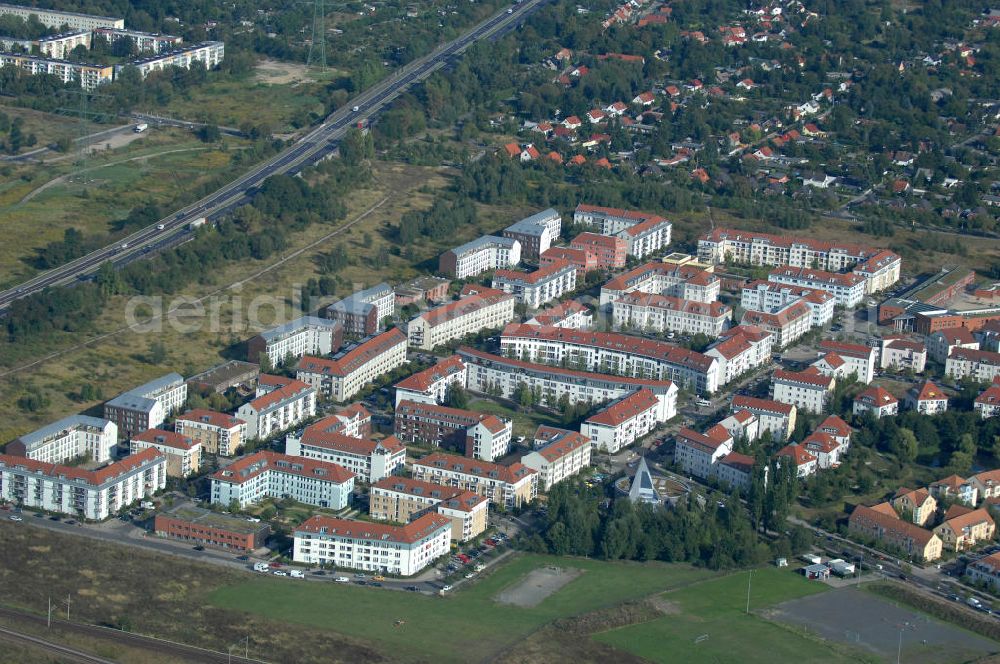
(707, 622)
(469, 624)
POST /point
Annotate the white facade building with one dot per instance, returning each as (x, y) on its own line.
(623, 422)
(51, 18)
(372, 547)
(807, 390)
(205, 55)
(660, 313)
(308, 335)
(431, 385)
(848, 289)
(565, 456)
(696, 454)
(371, 460)
(269, 474)
(147, 406)
(479, 309)
(68, 438)
(533, 289)
(742, 349)
(769, 296)
(343, 377)
(980, 365)
(278, 410)
(481, 255)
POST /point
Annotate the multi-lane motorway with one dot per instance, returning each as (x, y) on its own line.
(316, 145)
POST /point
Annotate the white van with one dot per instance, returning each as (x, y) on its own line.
(260, 567)
(297, 574)
(704, 402)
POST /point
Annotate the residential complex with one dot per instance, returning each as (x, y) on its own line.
(741, 349)
(900, 354)
(535, 233)
(51, 18)
(217, 433)
(375, 547)
(479, 309)
(369, 459)
(979, 365)
(189, 523)
(303, 336)
(494, 374)
(479, 435)
(278, 409)
(145, 42)
(876, 400)
(605, 252)
(848, 290)
(146, 406)
(69, 438)
(684, 281)
(271, 475)
(362, 313)
(481, 255)
(776, 417)
(88, 494)
(182, 453)
(881, 524)
(431, 385)
(786, 324)
(611, 353)
(569, 314)
(402, 499)
(206, 55)
(807, 390)
(233, 374)
(662, 313)
(508, 486)
(643, 233)
(534, 289)
(563, 455)
(696, 453)
(773, 297)
(624, 421)
(346, 375)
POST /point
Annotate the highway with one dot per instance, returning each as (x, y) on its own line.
(317, 144)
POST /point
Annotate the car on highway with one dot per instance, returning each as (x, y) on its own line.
(160, 227)
(356, 109)
(470, 575)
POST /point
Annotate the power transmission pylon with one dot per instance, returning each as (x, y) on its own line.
(317, 47)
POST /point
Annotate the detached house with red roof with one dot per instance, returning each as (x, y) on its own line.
(987, 404)
(279, 409)
(918, 506)
(369, 459)
(825, 448)
(372, 547)
(964, 528)
(623, 422)
(804, 462)
(928, 399)
(268, 474)
(876, 400)
(644, 99)
(957, 488)
(566, 455)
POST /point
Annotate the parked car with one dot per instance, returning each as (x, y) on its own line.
(378, 577)
(412, 589)
(280, 572)
(375, 583)
(199, 547)
(342, 579)
(447, 588)
(14, 517)
(297, 574)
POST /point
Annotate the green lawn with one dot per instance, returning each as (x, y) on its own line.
(468, 624)
(525, 423)
(714, 613)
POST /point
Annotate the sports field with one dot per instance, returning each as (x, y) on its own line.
(708, 623)
(470, 623)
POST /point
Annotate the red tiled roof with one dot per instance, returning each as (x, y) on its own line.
(972, 518)
(834, 278)
(412, 487)
(835, 424)
(563, 445)
(889, 521)
(739, 461)
(876, 396)
(847, 350)
(466, 306)
(416, 530)
(294, 388)
(511, 474)
(732, 347)
(654, 300)
(798, 453)
(625, 409)
(165, 438)
(92, 477)
(466, 501)
(766, 405)
(833, 360)
(541, 274)
(423, 380)
(732, 234)
(356, 357)
(691, 438)
(930, 392)
(251, 466)
(324, 436)
(972, 355)
(807, 377)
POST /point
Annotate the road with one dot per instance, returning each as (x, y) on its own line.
(316, 145)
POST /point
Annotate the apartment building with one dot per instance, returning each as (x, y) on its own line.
(848, 289)
(825, 448)
(362, 313)
(880, 523)
(481, 255)
(480, 435)
(372, 547)
(786, 325)
(494, 374)
(508, 486)
(742, 425)
(205, 55)
(940, 343)
(858, 359)
(802, 459)
(69, 438)
(146, 406)
(370, 459)
(902, 355)
(696, 453)
(623, 422)
(609, 352)
(685, 281)
(432, 384)
(308, 335)
(741, 349)
(402, 499)
(344, 376)
(919, 505)
(422, 289)
(478, 309)
(957, 488)
(735, 470)
(980, 365)
(876, 400)
(233, 374)
(60, 46)
(807, 390)
(535, 233)
(145, 42)
(985, 571)
(581, 260)
(662, 313)
(774, 416)
(563, 456)
(278, 409)
(217, 433)
(928, 399)
(877, 267)
(645, 233)
(183, 454)
(608, 252)
(271, 475)
(87, 494)
(987, 484)
(534, 289)
(51, 18)
(987, 404)
(771, 297)
(570, 314)
(964, 528)
(189, 523)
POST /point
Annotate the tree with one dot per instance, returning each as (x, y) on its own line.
(357, 146)
(904, 445)
(157, 353)
(456, 396)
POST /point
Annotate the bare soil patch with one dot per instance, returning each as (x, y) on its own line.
(536, 586)
(280, 73)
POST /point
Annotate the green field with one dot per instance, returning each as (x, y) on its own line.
(466, 625)
(714, 613)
